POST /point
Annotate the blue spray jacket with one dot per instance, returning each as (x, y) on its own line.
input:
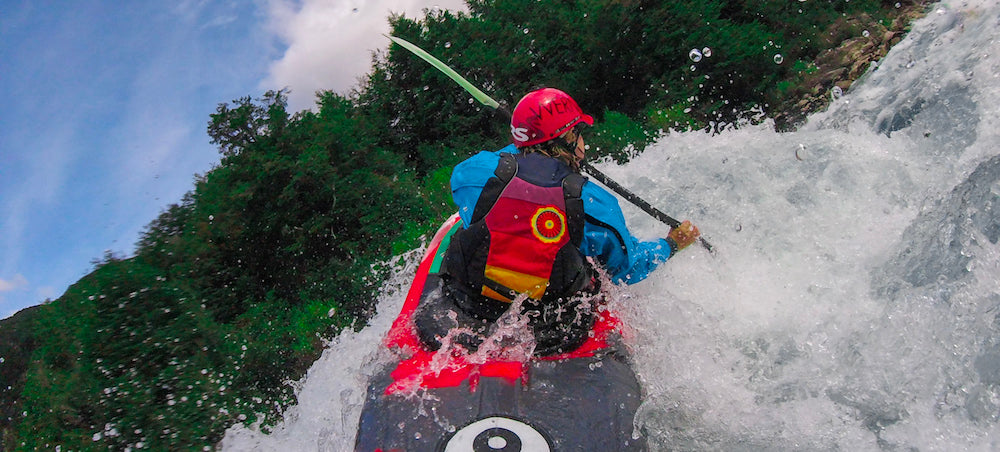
(606, 238)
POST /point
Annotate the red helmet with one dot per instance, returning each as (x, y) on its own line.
(543, 115)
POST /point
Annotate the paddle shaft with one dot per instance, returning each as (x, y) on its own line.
(635, 199)
(485, 99)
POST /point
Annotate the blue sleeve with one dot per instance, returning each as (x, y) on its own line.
(608, 240)
(469, 177)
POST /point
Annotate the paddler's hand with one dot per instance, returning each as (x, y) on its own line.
(682, 236)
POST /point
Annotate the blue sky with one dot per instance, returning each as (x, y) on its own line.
(106, 104)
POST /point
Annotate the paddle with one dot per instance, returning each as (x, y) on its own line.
(488, 101)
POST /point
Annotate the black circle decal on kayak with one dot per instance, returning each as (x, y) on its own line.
(497, 434)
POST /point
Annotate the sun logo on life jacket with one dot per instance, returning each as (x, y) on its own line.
(548, 224)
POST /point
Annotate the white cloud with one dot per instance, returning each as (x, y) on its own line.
(47, 293)
(330, 42)
(15, 283)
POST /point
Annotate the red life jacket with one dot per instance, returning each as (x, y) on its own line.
(524, 236)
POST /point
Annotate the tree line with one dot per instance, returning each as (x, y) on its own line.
(231, 290)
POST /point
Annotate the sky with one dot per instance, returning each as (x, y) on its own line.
(106, 104)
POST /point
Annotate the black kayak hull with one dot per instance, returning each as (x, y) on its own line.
(580, 404)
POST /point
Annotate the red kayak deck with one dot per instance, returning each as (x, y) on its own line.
(424, 369)
(443, 401)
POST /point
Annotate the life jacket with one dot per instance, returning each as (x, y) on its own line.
(524, 237)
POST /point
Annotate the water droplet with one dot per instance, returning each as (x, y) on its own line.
(778, 59)
(693, 68)
(695, 55)
(707, 52)
(800, 153)
(865, 33)
(447, 45)
(836, 92)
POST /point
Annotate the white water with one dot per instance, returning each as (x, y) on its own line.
(853, 301)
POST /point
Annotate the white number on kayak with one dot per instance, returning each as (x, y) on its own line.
(498, 434)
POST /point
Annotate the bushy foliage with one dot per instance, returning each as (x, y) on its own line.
(231, 290)
(647, 60)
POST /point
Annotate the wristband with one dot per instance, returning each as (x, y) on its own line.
(673, 245)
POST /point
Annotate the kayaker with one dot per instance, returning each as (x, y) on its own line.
(534, 225)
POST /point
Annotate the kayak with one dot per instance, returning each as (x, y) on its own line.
(584, 399)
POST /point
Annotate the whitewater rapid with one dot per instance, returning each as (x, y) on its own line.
(853, 300)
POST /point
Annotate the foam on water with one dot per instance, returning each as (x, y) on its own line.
(853, 300)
